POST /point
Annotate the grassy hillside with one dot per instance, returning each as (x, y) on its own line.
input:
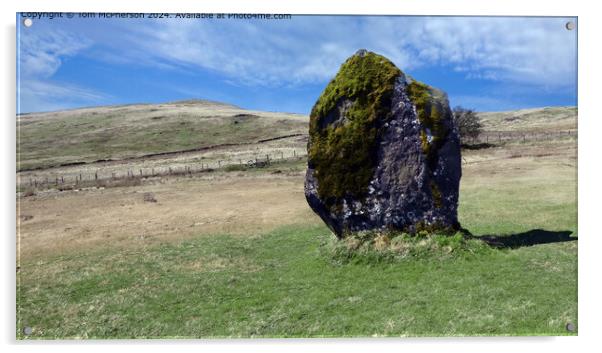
(116, 132)
(531, 120)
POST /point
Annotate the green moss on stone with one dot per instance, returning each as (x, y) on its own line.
(343, 154)
(430, 109)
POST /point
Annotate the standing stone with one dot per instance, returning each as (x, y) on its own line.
(383, 152)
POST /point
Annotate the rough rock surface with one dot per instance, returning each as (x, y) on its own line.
(384, 152)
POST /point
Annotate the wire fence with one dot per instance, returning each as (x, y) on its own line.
(132, 176)
(129, 176)
(518, 136)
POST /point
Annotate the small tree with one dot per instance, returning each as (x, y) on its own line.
(469, 124)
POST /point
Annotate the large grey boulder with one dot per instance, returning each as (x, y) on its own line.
(383, 152)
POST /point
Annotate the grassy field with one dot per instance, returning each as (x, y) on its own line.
(239, 254)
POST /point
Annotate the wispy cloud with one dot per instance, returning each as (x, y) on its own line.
(40, 95)
(41, 51)
(528, 50)
(536, 51)
(40, 56)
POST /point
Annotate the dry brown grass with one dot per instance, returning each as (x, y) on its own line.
(87, 219)
(531, 120)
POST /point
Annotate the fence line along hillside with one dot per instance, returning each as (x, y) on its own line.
(120, 174)
(519, 136)
(132, 176)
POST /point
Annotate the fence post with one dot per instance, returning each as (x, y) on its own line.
(267, 158)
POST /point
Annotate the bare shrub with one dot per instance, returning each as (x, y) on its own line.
(28, 193)
(149, 197)
(25, 217)
(469, 124)
(235, 168)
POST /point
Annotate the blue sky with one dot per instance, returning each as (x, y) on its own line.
(484, 63)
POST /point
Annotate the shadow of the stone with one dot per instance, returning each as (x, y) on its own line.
(529, 238)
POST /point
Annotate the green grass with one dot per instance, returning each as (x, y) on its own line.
(392, 246)
(283, 285)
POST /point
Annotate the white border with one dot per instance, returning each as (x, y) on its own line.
(589, 190)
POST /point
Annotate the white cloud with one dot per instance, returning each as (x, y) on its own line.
(245, 51)
(40, 52)
(538, 51)
(44, 95)
(40, 56)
